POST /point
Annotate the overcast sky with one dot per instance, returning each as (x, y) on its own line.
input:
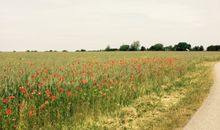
(94, 24)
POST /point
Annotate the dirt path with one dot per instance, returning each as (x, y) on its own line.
(208, 116)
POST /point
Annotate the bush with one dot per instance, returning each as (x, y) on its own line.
(135, 46)
(64, 51)
(213, 48)
(143, 48)
(182, 46)
(124, 48)
(157, 47)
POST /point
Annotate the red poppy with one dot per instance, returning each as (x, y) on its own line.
(104, 94)
(68, 93)
(32, 108)
(23, 89)
(30, 113)
(48, 92)
(8, 112)
(52, 98)
(83, 81)
(60, 89)
(45, 70)
(40, 93)
(31, 96)
(33, 76)
(42, 107)
(5, 100)
(46, 103)
(94, 82)
(19, 105)
(62, 78)
(11, 97)
(41, 84)
(27, 83)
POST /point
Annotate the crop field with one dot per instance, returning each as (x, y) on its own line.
(101, 90)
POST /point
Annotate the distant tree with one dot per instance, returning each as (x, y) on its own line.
(169, 48)
(83, 50)
(28, 51)
(50, 50)
(143, 48)
(14, 51)
(64, 51)
(124, 48)
(196, 48)
(213, 48)
(157, 47)
(108, 48)
(135, 46)
(201, 48)
(182, 46)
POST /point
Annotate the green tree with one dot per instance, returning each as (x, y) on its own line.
(124, 48)
(169, 48)
(143, 48)
(108, 48)
(135, 46)
(201, 48)
(213, 48)
(196, 48)
(157, 47)
(64, 51)
(182, 46)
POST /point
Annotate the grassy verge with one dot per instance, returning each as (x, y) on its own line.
(171, 109)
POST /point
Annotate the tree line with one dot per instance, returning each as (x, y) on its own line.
(181, 46)
(136, 46)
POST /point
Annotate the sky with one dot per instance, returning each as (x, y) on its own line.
(94, 24)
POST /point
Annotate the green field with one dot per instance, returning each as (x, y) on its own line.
(101, 90)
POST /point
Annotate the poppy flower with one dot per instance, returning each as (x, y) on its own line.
(46, 103)
(33, 76)
(40, 93)
(42, 107)
(27, 83)
(60, 89)
(83, 81)
(5, 100)
(23, 89)
(32, 109)
(19, 105)
(68, 93)
(41, 84)
(30, 113)
(48, 92)
(11, 97)
(52, 98)
(62, 78)
(8, 112)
